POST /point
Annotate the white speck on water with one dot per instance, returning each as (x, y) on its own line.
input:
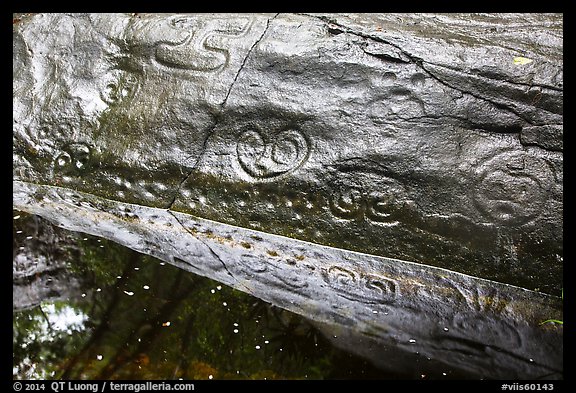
(266, 342)
(257, 347)
(235, 331)
(210, 376)
(99, 357)
(412, 341)
(531, 360)
(29, 237)
(224, 304)
(146, 287)
(129, 293)
(444, 374)
(136, 268)
(219, 287)
(83, 295)
(16, 217)
(445, 329)
(18, 231)
(162, 263)
(98, 289)
(212, 291)
(235, 324)
(374, 312)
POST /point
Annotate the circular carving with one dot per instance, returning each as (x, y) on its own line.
(63, 160)
(74, 159)
(377, 207)
(120, 88)
(513, 187)
(264, 158)
(348, 205)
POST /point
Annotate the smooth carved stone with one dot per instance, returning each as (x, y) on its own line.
(267, 159)
(430, 138)
(385, 305)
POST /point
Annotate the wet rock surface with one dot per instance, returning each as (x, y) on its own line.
(369, 170)
(483, 328)
(431, 138)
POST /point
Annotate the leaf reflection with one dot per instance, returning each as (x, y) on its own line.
(173, 328)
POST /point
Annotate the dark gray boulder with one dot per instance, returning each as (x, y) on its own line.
(431, 138)
(371, 302)
(377, 170)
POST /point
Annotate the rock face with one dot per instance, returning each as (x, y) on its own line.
(481, 327)
(431, 138)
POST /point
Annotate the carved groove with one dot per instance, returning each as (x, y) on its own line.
(265, 158)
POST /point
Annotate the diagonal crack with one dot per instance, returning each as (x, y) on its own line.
(222, 106)
(246, 59)
(203, 242)
(416, 60)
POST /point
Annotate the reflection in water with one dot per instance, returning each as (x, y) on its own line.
(88, 308)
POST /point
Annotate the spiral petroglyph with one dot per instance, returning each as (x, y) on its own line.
(513, 187)
(73, 160)
(205, 47)
(369, 288)
(265, 157)
(376, 207)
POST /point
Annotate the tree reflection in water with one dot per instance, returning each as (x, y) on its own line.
(97, 310)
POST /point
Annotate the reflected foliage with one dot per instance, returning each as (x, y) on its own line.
(139, 318)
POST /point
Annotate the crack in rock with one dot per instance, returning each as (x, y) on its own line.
(222, 106)
(206, 244)
(246, 59)
(414, 59)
